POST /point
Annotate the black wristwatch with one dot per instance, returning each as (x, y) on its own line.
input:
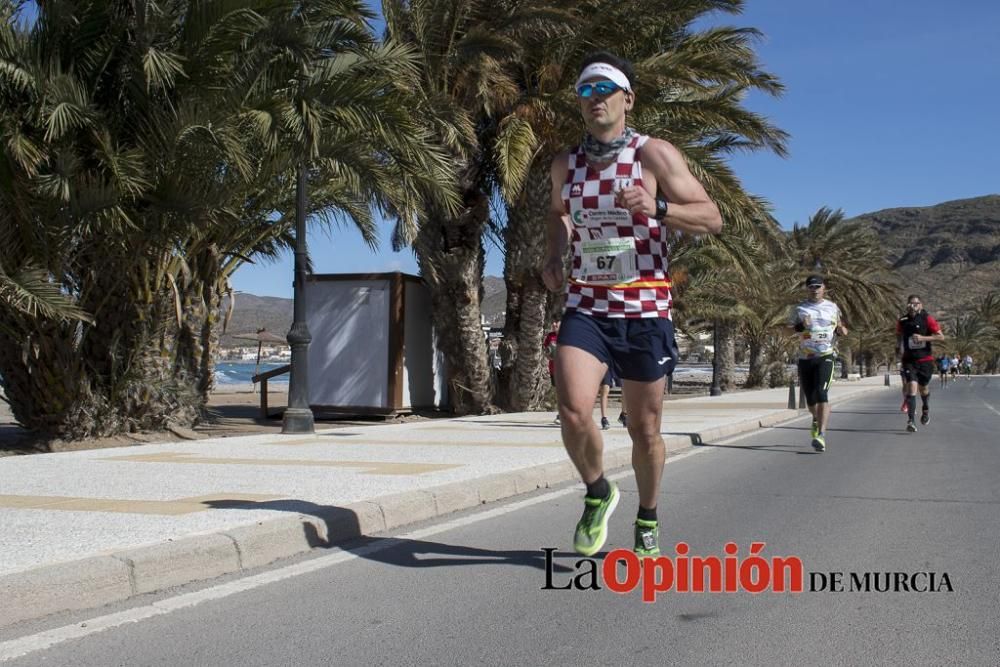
(661, 207)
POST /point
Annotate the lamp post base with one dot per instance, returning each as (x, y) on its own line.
(715, 391)
(297, 420)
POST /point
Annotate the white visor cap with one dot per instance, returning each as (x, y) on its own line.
(609, 72)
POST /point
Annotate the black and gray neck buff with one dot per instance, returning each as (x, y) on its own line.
(599, 152)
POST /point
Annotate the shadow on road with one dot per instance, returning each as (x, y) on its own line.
(787, 449)
(898, 431)
(344, 533)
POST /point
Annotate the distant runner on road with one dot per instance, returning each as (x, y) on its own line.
(967, 366)
(915, 332)
(817, 321)
(943, 364)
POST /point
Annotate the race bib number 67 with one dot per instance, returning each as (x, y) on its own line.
(608, 261)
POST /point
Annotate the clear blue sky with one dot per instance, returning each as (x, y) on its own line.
(888, 104)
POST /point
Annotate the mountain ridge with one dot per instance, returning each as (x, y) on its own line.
(949, 253)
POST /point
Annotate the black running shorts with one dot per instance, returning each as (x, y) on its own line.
(815, 376)
(920, 372)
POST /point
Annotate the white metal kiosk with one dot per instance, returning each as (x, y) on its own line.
(373, 348)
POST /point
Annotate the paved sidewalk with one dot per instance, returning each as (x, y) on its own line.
(86, 528)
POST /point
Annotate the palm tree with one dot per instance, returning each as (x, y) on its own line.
(870, 341)
(852, 260)
(720, 286)
(151, 149)
(469, 49)
(989, 309)
(761, 325)
(968, 335)
(989, 312)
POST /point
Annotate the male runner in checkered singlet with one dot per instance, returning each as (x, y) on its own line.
(616, 201)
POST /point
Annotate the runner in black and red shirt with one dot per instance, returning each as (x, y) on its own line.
(914, 333)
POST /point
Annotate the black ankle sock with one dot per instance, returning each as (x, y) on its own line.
(646, 514)
(925, 399)
(599, 488)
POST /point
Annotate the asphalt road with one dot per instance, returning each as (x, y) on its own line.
(472, 590)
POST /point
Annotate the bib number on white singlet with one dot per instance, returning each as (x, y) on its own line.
(821, 334)
(608, 261)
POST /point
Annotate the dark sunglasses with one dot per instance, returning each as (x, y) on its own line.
(603, 88)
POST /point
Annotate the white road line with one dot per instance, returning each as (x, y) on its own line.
(15, 648)
(991, 408)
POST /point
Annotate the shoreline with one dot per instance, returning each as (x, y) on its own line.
(248, 388)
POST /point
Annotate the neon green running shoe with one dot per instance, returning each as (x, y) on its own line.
(815, 429)
(592, 529)
(647, 538)
(819, 442)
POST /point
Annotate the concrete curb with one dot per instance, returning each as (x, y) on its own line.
(81, 584)
(100, 580)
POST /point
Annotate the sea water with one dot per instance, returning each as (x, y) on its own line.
(242, 372)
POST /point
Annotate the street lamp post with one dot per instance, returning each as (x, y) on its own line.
(861, 356)
(715, 390)
(298, 416)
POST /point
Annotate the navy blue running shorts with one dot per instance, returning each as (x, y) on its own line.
(637, 349)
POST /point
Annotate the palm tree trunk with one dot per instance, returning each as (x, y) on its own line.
(43, 376)
(198, 336)
(451, 259)
(727, 356)
(523, 379)
(869, 364)
(757, 363)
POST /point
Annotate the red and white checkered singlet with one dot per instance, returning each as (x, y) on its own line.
(586, 189)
